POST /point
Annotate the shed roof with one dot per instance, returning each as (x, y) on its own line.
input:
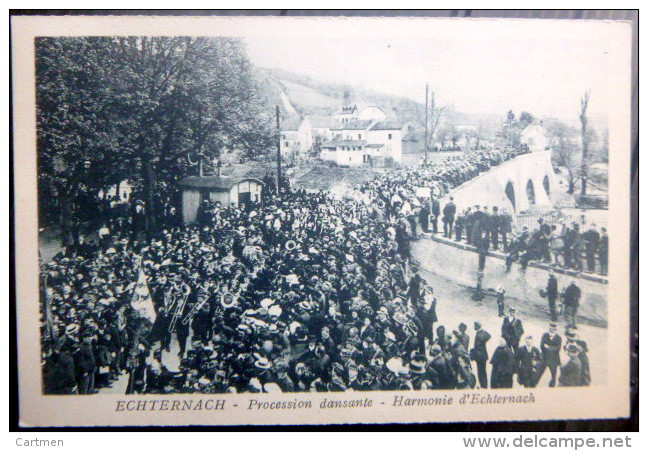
(222, 183)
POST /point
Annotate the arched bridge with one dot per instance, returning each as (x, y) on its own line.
(518, 184)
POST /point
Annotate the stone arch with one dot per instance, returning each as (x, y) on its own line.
(509, 190)
(530, 191)
(546, 185)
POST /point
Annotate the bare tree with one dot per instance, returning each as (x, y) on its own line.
(435, 113)
(565, 150)
(585, 141)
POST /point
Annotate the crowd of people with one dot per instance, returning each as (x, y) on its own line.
(302, 292)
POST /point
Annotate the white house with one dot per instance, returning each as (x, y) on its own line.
(536, 137)
(390, 135)
(367, 143)
(356, 130)
(296, 136)
(345, 152)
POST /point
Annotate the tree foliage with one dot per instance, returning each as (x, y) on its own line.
(114, 108)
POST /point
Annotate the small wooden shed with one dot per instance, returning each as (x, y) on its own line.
(217, 188)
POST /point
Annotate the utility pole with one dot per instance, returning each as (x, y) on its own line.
(425, 139)
(278, 152)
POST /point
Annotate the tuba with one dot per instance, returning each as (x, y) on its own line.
(228, 300)
(290, 245)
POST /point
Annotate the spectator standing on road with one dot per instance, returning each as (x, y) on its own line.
(570, 372)
(571, 301)
(503, 366)
(552, 294)
(512, 330)
(479, 354)
(528, 358)
(550, 345)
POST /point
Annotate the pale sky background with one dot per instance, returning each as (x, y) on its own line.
(546, 76)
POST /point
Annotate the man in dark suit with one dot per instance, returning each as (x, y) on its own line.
(495, 228)
(570, 372)
(486, 226)
(571, 300)
(550, 345)
(503, 366)
(552, 294)
(592, 240)
(512, 330)
(449, 212)
(603, 251)
(436, 212)
(528, 358)
(468, 224)
(479, 354)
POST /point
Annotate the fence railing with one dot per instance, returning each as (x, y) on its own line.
(581, 217)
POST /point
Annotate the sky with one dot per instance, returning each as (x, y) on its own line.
(544, 75)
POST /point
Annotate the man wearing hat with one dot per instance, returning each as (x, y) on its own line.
(528, 358)
(573, 339)
(512, 330)
(552, 294)
(570, 372)
(571, 301)
(418, 371)
(479, 353)
(550, 346)
(503, 366)
(441, 369)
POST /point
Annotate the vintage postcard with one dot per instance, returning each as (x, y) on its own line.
(247, 221)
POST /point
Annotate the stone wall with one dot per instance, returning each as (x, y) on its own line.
(458, 262)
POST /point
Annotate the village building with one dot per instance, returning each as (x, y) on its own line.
(296, 136)
(536, 137)
(347, 114)
(226, 190)
(350, 137)
(367, 143)
(321, 127)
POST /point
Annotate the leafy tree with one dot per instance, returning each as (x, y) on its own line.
(526, 118)
(135, 107)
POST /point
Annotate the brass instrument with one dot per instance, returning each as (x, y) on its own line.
(179, 308)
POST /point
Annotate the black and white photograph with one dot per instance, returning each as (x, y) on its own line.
(321, 218)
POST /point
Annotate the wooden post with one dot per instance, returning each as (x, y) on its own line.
(278, 152)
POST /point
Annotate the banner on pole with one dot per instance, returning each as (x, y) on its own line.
(142, 301)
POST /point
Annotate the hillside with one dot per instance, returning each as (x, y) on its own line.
(310, 96)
